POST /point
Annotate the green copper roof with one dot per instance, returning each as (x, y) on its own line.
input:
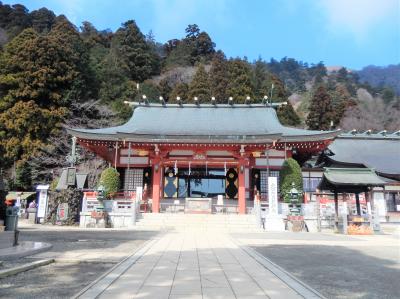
(374, 151)
(352, 176)
(238, 123)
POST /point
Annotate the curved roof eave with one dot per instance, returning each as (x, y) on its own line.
(238, 123)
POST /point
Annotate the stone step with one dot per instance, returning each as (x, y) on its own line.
(202, 222)
(198, 224)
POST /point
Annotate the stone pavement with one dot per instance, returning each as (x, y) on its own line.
(23, 249)
(193, 265)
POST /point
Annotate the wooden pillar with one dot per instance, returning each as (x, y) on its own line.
(358, 204)
(242, 190)
(156, 185)
(336, 211)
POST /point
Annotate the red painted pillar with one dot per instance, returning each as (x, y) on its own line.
(242, 189)
(156, 186)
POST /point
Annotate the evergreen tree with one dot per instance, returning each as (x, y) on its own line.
(110, 180)
(192, 31)
(260, 78)
(24, 129)
(267, 84)
(23, 176)
(180, 90)
(219, 77)
(388, 94)
(287, 116)
(290, 176)
(341, 101)
(165, 89)
(42, 74)
(77, 73)
(200, 87)
(321, 111)
(342, 75)
(42, 20)
(240, 84)
(204, 46)
(133, 54)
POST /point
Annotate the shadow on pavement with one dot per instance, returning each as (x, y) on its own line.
(338, 271)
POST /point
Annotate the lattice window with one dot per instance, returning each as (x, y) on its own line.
(133, 178)
(264, 181)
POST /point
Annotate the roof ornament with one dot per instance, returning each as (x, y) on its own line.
(213, 101)
(265, 100)
(368, 132)
(144, 97)
(230, 101)
(162, 100)
(383, 133)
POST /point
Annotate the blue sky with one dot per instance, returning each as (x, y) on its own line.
(353, 33)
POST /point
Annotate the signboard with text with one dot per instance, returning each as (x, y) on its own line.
(42, 205)
(273, 195)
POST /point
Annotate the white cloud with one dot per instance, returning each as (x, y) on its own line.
(358, 17)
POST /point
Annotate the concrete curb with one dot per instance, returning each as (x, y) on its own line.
(24, 249)
(26, 267)
(297, 285)
(97, 287)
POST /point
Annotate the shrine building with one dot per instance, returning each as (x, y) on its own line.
(179, 151)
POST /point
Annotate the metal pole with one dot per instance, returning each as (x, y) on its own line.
(336, 211)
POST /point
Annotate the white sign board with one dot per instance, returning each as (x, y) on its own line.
(42, 205)
(273, 195)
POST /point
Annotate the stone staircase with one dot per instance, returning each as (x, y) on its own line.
(202, 222)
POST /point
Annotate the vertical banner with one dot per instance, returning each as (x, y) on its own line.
(41, 211)
(273, 195)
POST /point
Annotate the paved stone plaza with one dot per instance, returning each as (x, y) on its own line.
(338, 266)
(193, 265)
(198, 263)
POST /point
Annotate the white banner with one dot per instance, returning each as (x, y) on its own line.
(273, 195)
(41, 211)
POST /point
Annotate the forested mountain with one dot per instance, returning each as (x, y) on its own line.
(381, 77)
(53, 74)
